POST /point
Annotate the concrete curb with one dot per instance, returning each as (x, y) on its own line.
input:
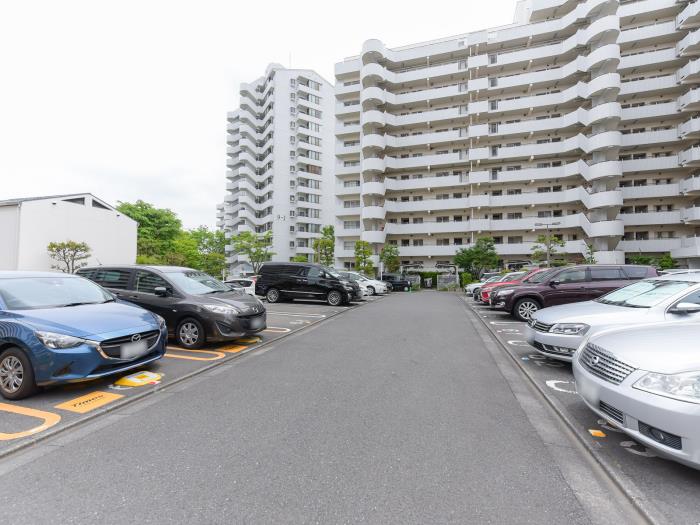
(622, 481)
(163, 388)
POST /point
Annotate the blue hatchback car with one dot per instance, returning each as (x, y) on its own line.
(61, 328)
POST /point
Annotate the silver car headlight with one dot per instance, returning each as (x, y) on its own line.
(161, 321)
(569, 328)
(684, 386)
(501, 293)
(59, 341)
(221, 309)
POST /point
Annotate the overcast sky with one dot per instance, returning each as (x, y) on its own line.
(128, 100)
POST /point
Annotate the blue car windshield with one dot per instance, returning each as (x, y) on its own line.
(31, 293)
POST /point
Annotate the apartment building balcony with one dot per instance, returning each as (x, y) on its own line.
(342, 191)
(690, 186)
(690, 101)
(689, 157)
(690, 215)
(655, 191)
(422, 139)
(425, 182)
(525, 248)
(690, 129)
(342, 90)
(651, 164)
(348, 212)
(650, 112)
(373, 142)
(649, 245)
(373, 213)
(689, 248)
(689, 45)
(429, 251)
(345, 128)
(656, 85)
(343, 110)
(427, 227)
(427, 205)
(652, 218)
(373, 236)
(348, 151)
(690, 73)
(347, 232)
(347, 170)
(689, 17)
(373, 188)
(657, 138)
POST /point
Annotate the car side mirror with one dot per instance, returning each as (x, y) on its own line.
(161, 291)
(685, 308)
(554, 283)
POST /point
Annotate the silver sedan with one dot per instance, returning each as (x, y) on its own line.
(558, 331)
(646, 381)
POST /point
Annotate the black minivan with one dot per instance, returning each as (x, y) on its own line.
(281, 280)
(197, 307)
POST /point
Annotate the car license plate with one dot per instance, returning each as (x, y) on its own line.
(256, 322)
(132, 350)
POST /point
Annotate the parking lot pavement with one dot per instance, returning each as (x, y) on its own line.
(669, 489)
(59, 408)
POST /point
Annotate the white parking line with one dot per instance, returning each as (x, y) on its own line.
(294, 314)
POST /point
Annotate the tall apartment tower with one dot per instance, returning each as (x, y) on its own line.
(579, 118)
(280, 163)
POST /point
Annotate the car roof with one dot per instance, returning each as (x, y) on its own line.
(692, 276)
(18, 274)
(155, 267)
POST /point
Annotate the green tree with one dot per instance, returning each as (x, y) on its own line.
(69, 255)
(157, 228)
(666, 262)
(255, 246)
(546, 246)
(300, 258)
(324, 247)
(589, 257)
(363, 258)
(390, 257)
(478, 258)
(210, 248)
(641, 259)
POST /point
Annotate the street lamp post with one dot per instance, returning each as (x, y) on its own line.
(548, 243)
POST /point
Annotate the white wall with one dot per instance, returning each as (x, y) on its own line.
(8, 237)
(110, 234)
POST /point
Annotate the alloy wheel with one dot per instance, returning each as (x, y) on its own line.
(189, 334)
(11, 374)
(526, 309)
(334, 298)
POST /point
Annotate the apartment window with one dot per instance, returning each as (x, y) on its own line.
(417, 220)
(349, 245)
(351, 183)
(515, 215)
(494, 151)
(417, 242)
(545, 189)
(442, 219)
(351, 204)
(494, 173)
(514, 191)
(292, 198)
(496, 193)
(405, 220)
(493, 82)
(442, 196)
(293, 82)
(292, 97)
(641, 182)
(493, 127)
(292, 169)
(557, 213)
(292, 140)
(443, 242)
(493, 105)
(457, 218)
(292, 125)
(291, 229)
(417, 198)
(544, 214)
(405, 242)
(291, 244)
(641, 236)
(292, 111)
(493, 58)
(292, 213)
(405, 198)
(456, 195)
(515, 240)
(497, 216)
(457, 241)
(498, 240)
(292, 154)
(512, 168)
(292, 184)
(351, 225)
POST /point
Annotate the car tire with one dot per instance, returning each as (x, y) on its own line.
(273, 296)
(16, 374)
(371, 290)
(334, 298)
(525, 307)
(190, 333)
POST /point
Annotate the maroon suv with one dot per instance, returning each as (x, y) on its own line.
(569, 284)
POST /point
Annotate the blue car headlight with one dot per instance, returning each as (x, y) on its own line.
(161, 321)
(59, 341)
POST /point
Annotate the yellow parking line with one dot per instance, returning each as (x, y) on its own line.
(249, 340)
(277, 330)
(232, 349)
(49, 419)
(216, 355)
(88, 402)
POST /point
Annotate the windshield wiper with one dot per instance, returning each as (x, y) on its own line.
(216, 291)
(77, 304)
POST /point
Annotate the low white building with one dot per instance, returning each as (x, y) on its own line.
(28, 225)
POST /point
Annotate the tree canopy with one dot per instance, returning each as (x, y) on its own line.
(478, 258)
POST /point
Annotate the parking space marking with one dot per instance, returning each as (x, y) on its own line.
(277, 330)
(139, 379)
(596, 433)
(293, 314)
(48, 419)
(554, 384)
(232, 349)
(249, 340)
(216, 355)
(88, 402)
(644, 452)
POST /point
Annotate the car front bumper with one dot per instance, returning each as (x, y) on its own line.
(556, 346)
(226, 328)
(635, 408)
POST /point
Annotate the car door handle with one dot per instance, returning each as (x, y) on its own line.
(299, 280)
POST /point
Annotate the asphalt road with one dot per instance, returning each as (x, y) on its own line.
(396, 412)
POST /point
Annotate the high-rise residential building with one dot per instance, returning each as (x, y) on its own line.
(280, 163)
(579, 119)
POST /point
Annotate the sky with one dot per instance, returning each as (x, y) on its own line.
(128, 100)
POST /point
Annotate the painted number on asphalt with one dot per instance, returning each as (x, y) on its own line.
(635, 448)
(562, 386)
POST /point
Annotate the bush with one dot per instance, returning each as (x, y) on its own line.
(465, 278)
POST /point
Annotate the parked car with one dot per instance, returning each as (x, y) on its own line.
(59, 328)
(646, 381)
(558, 331)
(528, 277)
(197, 307)
(473, 288)
(247, 283)
(372, 286)
(289, 281)
(500, 279)
(397, 281)
(513, 278)
(569, 284)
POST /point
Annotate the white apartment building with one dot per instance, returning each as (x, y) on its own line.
(28, 225)
(580, 117)
(280, 162)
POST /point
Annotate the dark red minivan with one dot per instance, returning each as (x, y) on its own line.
(570, 284)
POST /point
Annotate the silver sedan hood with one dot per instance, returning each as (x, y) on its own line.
(592, 313)
(667, 348)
